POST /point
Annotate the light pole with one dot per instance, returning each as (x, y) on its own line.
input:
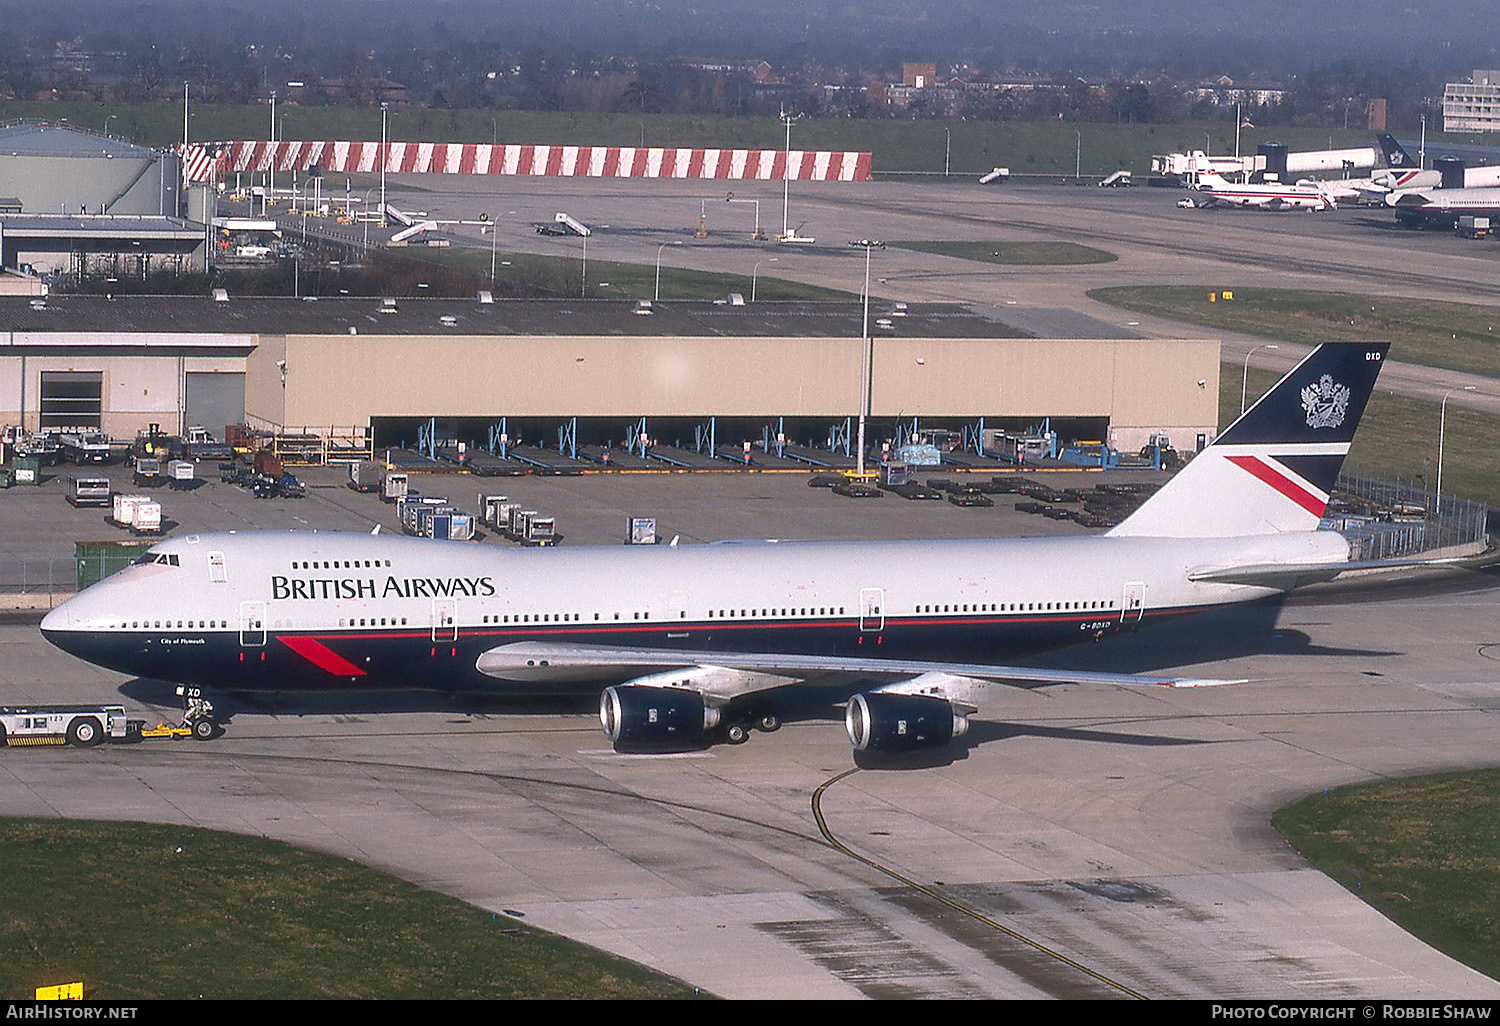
(1078, 156)
(271, 160)
(755, 272)
(384, 107)
(786, 172)
(1442, 426)
(1245, 379)
(664, 245)
(864, 372)
(107, 120)
(947, 148)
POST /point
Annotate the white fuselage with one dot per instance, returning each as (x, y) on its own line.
(308, 609)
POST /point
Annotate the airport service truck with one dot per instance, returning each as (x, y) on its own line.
(84, 446)
(1473, 227)
(81, 725)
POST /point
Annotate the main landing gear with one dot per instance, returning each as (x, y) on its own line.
(738, 733)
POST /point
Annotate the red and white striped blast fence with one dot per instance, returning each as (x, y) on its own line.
(214, 162)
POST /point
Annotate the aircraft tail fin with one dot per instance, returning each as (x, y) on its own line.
(1271, 470)
(1395, 153)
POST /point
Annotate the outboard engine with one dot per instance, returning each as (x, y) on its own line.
(881, 721)
(633, 714)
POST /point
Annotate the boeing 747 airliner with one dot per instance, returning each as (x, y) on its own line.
(689, 643)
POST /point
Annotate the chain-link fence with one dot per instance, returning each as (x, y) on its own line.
(1386, 519)
(40, 576)
(61, 576)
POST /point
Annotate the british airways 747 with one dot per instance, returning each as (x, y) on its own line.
(688, 643)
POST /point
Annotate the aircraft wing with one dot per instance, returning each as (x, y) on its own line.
(726, 675)
(1286, 576)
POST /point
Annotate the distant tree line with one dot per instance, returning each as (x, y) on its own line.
(440, 66)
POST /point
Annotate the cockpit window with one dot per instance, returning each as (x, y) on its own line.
(164, 558)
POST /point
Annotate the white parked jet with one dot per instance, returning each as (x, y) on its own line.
(691, 642)
(1214, 190)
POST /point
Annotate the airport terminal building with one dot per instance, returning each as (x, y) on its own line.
(352, 367)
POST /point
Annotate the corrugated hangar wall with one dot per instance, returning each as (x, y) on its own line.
(1141, 386)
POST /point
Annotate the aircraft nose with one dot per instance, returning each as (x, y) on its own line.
(56, 621)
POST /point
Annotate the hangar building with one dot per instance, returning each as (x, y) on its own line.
(79, 204)
(348, 366)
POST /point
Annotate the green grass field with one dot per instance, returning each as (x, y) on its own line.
(140, 912)
(1454, 336)
(1030, 254)
(1424, 852)
(970, 148)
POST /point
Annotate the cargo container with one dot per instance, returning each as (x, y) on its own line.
(894, 473)
(366, 475)
(84, 490)
(123, 507)
(26, 470)
(147, 518)
(641, 531)
(180, 474)
(529, 527)
(394, 487)
(439, 520)
(489, 509)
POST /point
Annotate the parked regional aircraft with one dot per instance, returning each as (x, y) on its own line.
(1213, 190)
(1444, 206)
(692, 642)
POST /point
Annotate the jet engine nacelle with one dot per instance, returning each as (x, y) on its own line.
(881, 721)
(634, 714)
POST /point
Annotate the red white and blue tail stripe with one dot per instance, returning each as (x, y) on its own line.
(1272, 470)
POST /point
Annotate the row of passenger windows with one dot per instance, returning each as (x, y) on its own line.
(369, 621)
(553, 617)
(1014, 607)
(334, 564)
(180, 625)
(728, 614)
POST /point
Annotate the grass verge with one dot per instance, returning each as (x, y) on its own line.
(1453, 336)
(1015, 253)
(143, 912)
(1398, 438)
(1424, 852)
